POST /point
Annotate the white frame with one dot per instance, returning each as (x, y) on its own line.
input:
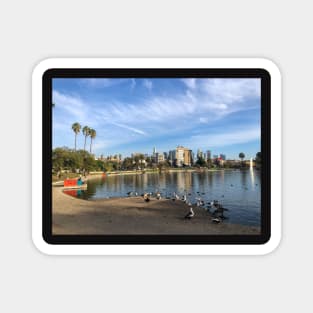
(133, 249)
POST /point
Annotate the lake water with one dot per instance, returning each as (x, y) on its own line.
(237, 190)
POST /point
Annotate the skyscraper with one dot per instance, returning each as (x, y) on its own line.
(208, 154)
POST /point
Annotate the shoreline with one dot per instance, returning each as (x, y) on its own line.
(96, 175)
(132, 215)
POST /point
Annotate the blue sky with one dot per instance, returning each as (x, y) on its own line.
(134, 115)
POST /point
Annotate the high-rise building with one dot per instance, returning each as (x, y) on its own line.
(183, 156)
(199, 154)
(159, 157)
(208, 154)
(172, 156)
(193, 158)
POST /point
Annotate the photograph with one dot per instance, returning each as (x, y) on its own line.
(156, 156)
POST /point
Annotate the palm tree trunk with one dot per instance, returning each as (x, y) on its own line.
(90, 144)
(85, 143)
(75, 140)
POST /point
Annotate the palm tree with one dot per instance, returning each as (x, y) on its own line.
(241, 156)
(76, 128)
(92, 134)
(86, 132)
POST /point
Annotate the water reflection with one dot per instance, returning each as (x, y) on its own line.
(238, 190)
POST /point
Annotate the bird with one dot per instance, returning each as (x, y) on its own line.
(146, 197)
(212, 204)
(219, 211)
(158, 195)
(190, 214)
(200, 202)
(216, 220)
(184, 198)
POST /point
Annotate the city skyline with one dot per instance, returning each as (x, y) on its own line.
(220, 115)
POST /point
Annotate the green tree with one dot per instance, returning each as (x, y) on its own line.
(128, 163)
(92, 135)
(76, 129)
(258, 160)
(241, 157)
(86, 132)
(201, 161)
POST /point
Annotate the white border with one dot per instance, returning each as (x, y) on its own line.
(156, 249)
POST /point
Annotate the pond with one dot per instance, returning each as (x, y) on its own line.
(237, 190)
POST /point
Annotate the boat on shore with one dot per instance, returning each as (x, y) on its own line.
(73, 183)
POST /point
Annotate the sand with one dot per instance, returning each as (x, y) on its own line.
(133, 215)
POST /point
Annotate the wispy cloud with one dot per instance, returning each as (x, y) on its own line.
(231, 90)
(132, 84)
(133, 129)
(102, 82)
(227, 138)
(147, 84)
(189, 82)
(193, 116)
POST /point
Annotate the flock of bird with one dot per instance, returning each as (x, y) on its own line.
(214, 207)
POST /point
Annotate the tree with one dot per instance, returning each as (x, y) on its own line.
(86, 132)
(92, 134)
(241, 156)
(76, 128)
(201, 161)
(258, 160)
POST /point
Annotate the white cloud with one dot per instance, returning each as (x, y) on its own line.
(203, 120)
(119, 123)
(133, 129)
(147, 83)
(132, 84)
(103, 82)
(228, 138)
(231, 90)
(189, 82)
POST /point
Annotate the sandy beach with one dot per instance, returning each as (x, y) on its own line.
(133, 215)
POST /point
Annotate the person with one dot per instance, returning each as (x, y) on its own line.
(80, 181)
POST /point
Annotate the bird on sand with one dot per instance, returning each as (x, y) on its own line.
(146, 197)
(190, 214)
(216, 220)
